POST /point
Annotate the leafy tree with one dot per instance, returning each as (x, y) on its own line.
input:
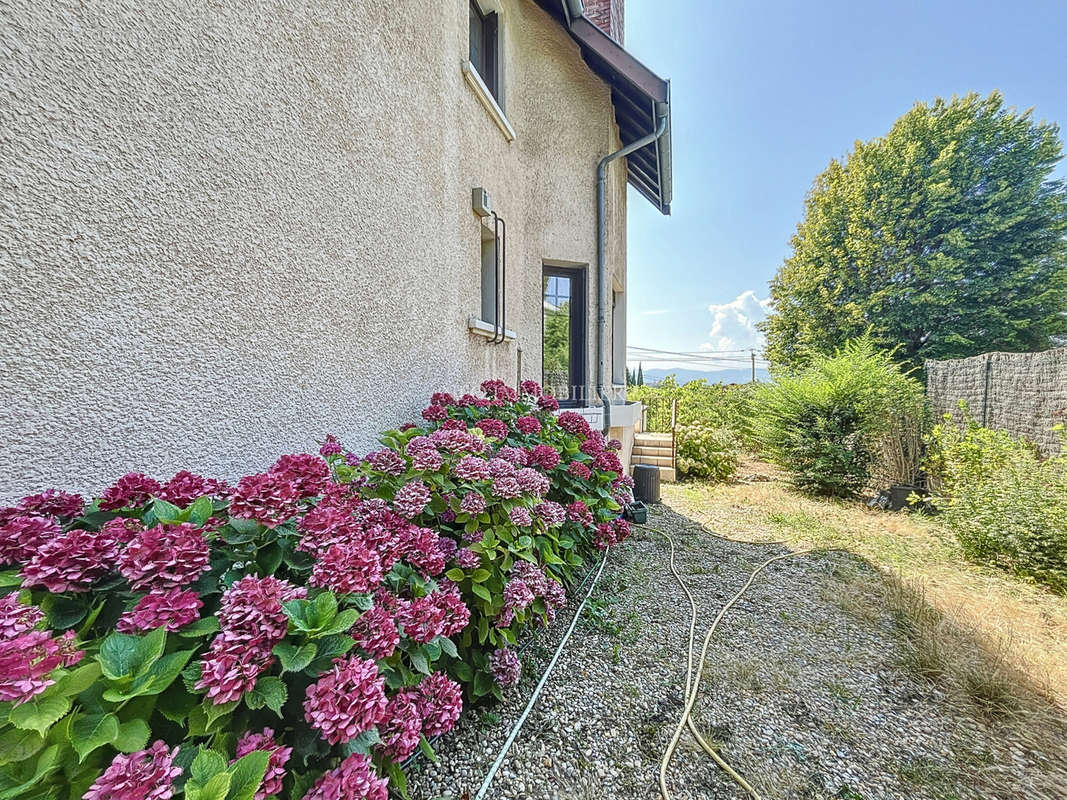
(946, 237)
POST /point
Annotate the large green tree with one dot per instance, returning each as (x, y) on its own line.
(945, 237)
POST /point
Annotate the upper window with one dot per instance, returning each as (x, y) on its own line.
(484, 55)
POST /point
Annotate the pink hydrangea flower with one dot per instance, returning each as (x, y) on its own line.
(579, 470)
(499, 390)
(505, 666)
(331, 446)
(520, 515)
(28, 659)
(231, 667)
(454, 424)
(347, 700)
(411, 499)
(608, 461)
(501, 468)
(456, 439)
(448, 547)
(530, 388)
(544, 456)
(269, 498)
(121, 530)
(440, 703)
(164, 556)
(516, 456)
(307, 473)
(435, 413)
(579, 512)
(163, 608)
(387, 461)
(421, 618)
(401, 728)
(375, 633)
(348, 568)
(468, 559)
(592, 446)
(22, 536)
(279, 757)
(472, 468)
(423, 454)
(145, 775)
(454, 611)
(186, 487)
(614, 444)
(506, 488)
(423, 551)
(552, 514)
(71, 563)
(493, 428)
(17, 618)
(132, 489)
(532, 481)
(548, 403)
(528, 425)
(53, 503)
(442, 399)
(575, 423)
(355, 779)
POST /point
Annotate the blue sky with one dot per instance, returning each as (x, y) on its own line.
(763, 95)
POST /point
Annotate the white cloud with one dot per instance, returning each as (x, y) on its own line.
(734, 323)
(655, 312)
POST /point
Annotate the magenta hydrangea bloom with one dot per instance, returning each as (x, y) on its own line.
(164, 556)
(387, 461)
(435, 413)
(269, 498)
(454, 611)
(530, 388)
(591, 446)
(423, 551)
(532, 481)
(544, 456)
(448, 547)
(493, 428)
(453, 424)
(17, 618)
(163, 608)
(506, 488)
(348, 568)
(440, 703)
(279, 757)
(231, 667)
(375, 633)
(424, 455)
(132, 489)
(468, 559)
(53, 503)
(548, 403)
(521, 516)
(528, 425)
(23, 535)
(422, 618)
(442, 399)
(347, 700)
(579, 512)
(121, 530)
(579, 470)
(575, 423)
(145, 775)
(516, 456)
(411, 499)
(308, 473)
(401, 727)
(72, 562)
(501, 467)
(331, 446)
(472, 468)
(355, 779)
(499, 390)
(29, 657)
(453, 439)
(505, 666)
(551, 513)
(608, 461)
(186, 487)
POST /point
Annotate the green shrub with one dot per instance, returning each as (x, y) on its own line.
(1005, 504)
(828, 425)
(707, 451)
(699, 402)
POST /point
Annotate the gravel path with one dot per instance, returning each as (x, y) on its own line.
(804, 698)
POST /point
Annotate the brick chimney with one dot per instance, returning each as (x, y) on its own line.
(606, 15)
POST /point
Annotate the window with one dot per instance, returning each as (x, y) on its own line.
(484, 49)
(563, 334)
(490, 299)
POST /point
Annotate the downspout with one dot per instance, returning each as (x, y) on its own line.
(601, 246)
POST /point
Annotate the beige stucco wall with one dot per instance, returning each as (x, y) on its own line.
(227, 230)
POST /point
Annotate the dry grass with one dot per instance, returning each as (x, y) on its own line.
(995, 639)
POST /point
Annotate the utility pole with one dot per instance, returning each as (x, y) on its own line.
(753, 366)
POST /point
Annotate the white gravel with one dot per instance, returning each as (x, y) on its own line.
(804, 699)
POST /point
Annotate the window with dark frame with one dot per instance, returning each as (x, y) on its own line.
(563, 334)
(484, 48)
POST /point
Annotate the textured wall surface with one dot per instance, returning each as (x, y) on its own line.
(227, 230)
(1025, 394)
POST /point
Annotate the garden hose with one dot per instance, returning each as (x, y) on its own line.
(541, 685)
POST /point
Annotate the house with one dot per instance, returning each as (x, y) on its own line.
(228, 230)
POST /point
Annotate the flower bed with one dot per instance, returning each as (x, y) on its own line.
(303, 632)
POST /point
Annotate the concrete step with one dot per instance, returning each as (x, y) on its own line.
(656, 461)
(642, 450)
(667, 475)
(652, 439)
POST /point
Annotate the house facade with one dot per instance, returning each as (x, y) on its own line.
(226, 232)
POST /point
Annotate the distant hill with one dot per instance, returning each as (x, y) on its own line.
(716, 376)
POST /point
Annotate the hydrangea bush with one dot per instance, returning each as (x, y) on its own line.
(304, 631)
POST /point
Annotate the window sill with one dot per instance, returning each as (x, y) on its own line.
(485, 97)
(479, 327)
